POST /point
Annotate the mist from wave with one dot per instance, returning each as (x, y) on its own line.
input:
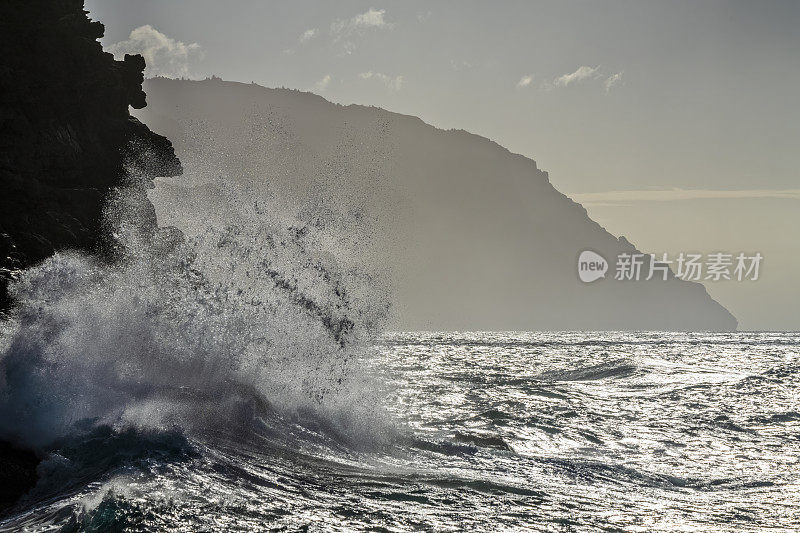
(190, 333)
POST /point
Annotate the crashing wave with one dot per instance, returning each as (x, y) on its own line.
(180, 332)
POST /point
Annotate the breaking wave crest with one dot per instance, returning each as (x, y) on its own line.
(266, 312)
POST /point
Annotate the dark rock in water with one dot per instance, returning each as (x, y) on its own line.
(17, 473)
(66, 136)
(66, 140)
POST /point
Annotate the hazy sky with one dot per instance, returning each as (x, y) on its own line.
(635, 96)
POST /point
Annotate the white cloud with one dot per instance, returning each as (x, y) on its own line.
(308, 35)
(424, 17)
(579, 75)
(394, 83)
(619, 198)
(322, 84)
(612, 80)
(345, 30)
(164, 56)
(372, 18)
(524, 81)
(585, 73)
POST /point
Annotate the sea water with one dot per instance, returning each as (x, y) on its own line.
(481, 432)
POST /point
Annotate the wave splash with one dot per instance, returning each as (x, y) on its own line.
(183, 332)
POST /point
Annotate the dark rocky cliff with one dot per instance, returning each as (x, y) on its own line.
(65, 131)
(66, 139)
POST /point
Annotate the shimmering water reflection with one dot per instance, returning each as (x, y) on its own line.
(496, 431)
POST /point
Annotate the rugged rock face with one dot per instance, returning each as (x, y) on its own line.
(66, 139)
(65, 131)
(17, 473)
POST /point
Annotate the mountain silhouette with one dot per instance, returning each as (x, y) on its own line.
(470, 235)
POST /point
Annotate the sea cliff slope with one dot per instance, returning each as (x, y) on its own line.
(472, 236)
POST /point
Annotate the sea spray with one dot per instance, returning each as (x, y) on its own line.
(185, 332)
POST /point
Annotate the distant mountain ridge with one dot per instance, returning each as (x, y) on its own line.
(472, 236)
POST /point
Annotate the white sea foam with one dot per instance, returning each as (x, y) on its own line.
(181, 332)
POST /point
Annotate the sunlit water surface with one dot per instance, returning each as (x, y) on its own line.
(495, 431)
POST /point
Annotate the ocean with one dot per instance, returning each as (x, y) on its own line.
(516, 431)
